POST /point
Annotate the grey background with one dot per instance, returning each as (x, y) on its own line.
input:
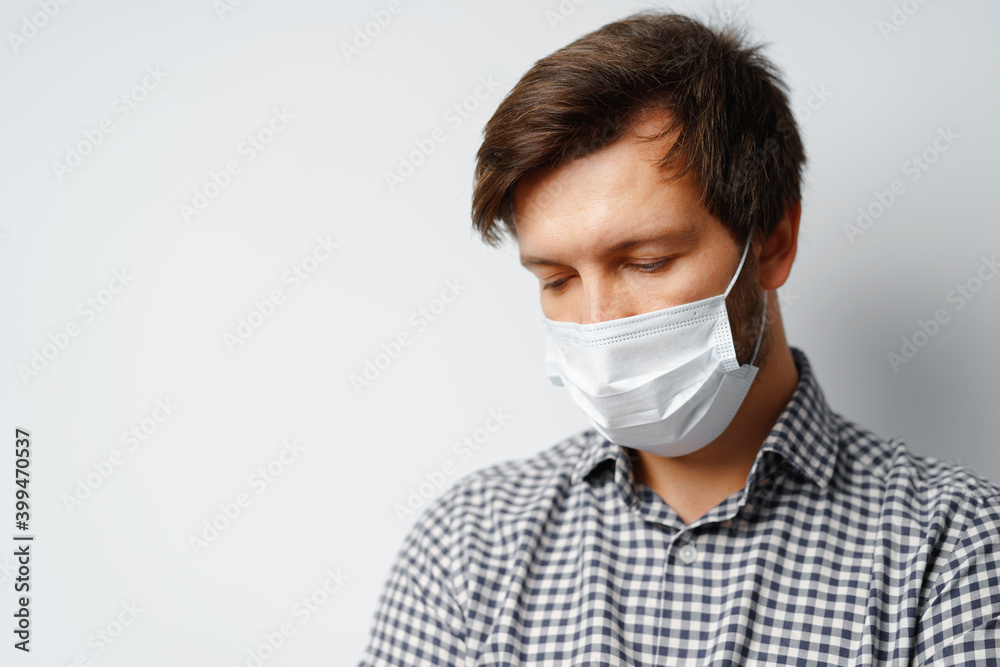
(334, 506)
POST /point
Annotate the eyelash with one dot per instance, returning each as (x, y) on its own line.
(649, 267)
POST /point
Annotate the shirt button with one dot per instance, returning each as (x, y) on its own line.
(688, 553)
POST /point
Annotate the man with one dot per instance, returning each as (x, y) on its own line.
(718, 512)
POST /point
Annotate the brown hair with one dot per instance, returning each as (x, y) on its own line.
(728, 111)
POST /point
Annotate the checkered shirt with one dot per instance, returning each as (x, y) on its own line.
(842, 549)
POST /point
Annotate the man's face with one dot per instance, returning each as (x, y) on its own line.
(608, 238)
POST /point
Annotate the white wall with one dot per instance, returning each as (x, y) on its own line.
(332, 506)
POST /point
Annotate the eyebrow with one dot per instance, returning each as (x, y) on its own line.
(675, 236)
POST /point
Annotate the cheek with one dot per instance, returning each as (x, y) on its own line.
(561, 307)
(680, 285)
(587, 299)
(705, 274)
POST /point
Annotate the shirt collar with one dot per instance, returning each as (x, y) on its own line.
(805, 435)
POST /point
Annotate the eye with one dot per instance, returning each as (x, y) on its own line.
(649, 267)
(642, 267)
(555, 285)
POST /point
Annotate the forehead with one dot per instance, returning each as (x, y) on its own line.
(606, 197)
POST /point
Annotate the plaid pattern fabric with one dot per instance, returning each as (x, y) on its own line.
(841, 549)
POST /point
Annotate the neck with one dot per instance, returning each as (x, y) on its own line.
(695, 483)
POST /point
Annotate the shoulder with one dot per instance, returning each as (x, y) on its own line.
(899, 474)
(519, 484)
(933, 515)
(932, 522)
(492, 503)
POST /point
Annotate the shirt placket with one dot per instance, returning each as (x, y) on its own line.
(683, 598)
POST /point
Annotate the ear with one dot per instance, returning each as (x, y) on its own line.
(777, 252)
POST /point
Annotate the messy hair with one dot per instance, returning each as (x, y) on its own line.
(727, 110)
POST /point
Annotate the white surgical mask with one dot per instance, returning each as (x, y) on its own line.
(666, 381)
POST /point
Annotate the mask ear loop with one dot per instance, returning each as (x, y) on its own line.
(763, 315)
(738, 268)
(760, 334)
